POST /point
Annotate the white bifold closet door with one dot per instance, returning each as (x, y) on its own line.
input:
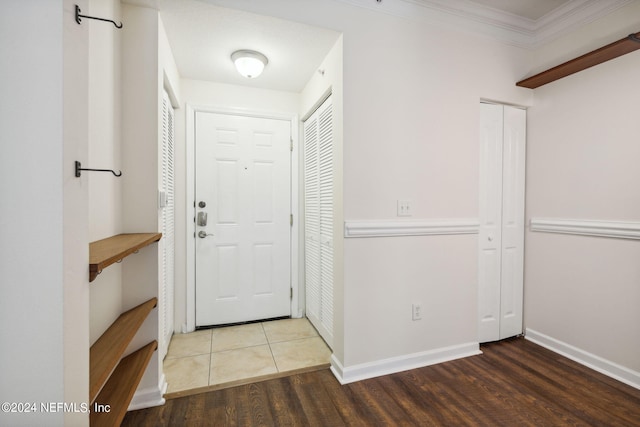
(501, 239)
(167, 227)
(318, 219)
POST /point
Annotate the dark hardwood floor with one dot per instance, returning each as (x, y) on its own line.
(514, 383)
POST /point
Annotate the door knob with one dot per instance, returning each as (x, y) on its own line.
(202, 234)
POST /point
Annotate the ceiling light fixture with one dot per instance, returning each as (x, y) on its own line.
(249, 63)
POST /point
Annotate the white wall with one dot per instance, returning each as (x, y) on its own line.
(140, 135)
(147, 66)
(44, 290)
(75, 215)
(582, 164)
(412, 89)
(411, 133)
(105, 190)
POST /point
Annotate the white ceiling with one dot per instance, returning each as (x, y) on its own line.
(203, 35)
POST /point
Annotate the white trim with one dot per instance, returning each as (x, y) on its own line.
(293, 118)
(498, 24)
(296, 311)
(235, 111)
(149, 397)
(401, 363)
(327, 93)
(424, 227)
(615, 229)
(167, 86)
(571, 16)
(585, 358)
(190, 262)
(495, 25)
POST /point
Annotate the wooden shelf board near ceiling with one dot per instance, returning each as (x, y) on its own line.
(598, 56)
(107, 251)
(106, 352)
(119, 390)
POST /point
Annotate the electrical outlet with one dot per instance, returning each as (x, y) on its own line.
(416, 311)
(404, 208)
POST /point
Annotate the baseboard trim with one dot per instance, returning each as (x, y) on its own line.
(425, 227)
(149, 397)
(613, 229)
(401, 363)
(597, 363)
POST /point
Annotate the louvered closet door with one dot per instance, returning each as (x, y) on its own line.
(318, 186)
(167, 216)
(312, 219)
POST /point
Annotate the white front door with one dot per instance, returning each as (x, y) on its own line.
(243, 207)
(501, 239)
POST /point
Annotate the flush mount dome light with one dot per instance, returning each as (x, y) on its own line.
(249, 63)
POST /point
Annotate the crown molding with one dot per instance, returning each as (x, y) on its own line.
(481, 20)
(571, 16)
(461, 15)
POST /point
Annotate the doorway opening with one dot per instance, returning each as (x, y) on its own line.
(231, 166)
(243, 218)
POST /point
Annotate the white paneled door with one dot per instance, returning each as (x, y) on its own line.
(501, 239)
(243, 208)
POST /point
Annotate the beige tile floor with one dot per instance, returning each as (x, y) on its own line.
(235, 354)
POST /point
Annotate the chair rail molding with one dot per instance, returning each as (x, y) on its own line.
(598, 228)
(422, 227)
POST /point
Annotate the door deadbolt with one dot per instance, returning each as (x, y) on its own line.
(202, 219)
(202, 204)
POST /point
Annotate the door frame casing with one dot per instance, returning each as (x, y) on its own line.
(293, 119)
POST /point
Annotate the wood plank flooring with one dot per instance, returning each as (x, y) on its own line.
(514, 383)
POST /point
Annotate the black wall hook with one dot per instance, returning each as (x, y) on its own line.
(79, 168)
(78, 16)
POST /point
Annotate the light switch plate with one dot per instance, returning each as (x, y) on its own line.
(404, 208)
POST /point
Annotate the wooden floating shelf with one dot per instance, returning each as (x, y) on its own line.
(598, 56)
(119, 390)
(107, 251)
(105, 354)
